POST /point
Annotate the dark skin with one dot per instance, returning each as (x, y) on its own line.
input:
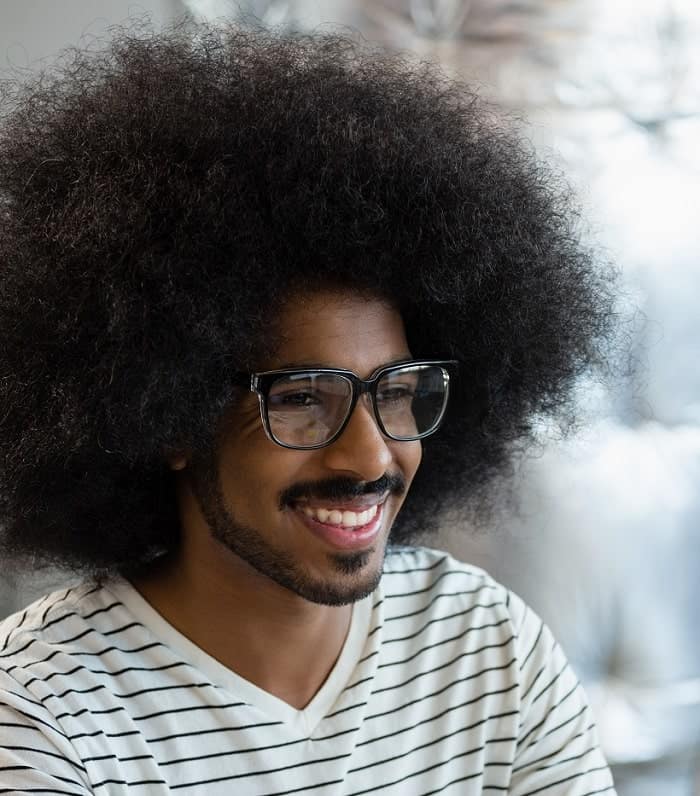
(262, 629)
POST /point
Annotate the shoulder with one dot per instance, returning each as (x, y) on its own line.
(54, 625)
(423, 574)
(423, 584)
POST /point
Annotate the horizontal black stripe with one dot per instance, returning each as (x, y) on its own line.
(455, 782)
(428, 568)
(358, 682)
(132, 651)
(557, 751)
(433, 584)
(534, 645)
(94, 734)
(445, 665)
(67, 780)
(104, 651)
(425, 745)
(583, 709)
(94, 631)
(44, 790)
(83, 711)
(53, 605)
(444, 618)
(566, 779)
(104, 610)
(466, 678)
(563, 760)
(554, 707)
(133, 784)
(466, 632)
(464, 704)
(231, 752)
(114, 674)
(266, 771)
(387, 784)
(19, 726)
(422, 629)
(43, 752)
(14, 630)
(36, 720)
(443, 596)
(346, 709)
(23, 697)
(145, 717)
(374, 630)
(67, 615)
(129, 759)
(59, 602)
(249, 750)
(140, 692)
(302, 789)
(43, 626)
(212, 731)
(526, 692)
(21, 649)
(472, 726)
(453, 660)
(561, 671)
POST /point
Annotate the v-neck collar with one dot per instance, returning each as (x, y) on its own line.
(302, 721)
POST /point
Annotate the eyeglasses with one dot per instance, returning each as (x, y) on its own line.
(306, 408)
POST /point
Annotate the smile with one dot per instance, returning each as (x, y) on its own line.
(345, 518)
(352, 526)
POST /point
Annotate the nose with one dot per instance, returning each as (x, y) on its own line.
(361, 450)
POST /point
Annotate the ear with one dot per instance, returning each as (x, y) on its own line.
(178, 462)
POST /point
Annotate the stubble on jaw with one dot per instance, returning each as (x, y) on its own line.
(354, 582)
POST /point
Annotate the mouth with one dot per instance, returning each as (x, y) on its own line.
(348, 526)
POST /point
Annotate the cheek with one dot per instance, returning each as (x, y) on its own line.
(255, 471)
(409, 457)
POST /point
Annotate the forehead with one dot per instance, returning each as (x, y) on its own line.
(345, 330)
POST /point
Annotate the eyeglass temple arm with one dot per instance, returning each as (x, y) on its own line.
(240, 379)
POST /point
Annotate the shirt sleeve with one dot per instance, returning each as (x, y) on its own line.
(35, 754)
(557, 749)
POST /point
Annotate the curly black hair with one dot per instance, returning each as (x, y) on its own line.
(160, 199)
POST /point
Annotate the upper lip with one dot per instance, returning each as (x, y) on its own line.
(352, 504)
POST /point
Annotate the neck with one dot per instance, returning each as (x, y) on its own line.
(265, 633)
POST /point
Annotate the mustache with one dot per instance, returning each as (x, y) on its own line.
(343, 488)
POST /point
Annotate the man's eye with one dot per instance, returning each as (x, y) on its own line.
(395, 395)
(292, 400)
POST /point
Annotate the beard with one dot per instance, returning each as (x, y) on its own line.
(356, 578)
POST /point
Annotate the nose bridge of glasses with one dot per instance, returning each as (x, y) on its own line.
(364, 412)
(365, 393)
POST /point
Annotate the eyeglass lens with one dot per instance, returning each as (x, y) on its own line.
(307, 409)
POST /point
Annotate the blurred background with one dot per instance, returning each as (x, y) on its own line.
(603, 538)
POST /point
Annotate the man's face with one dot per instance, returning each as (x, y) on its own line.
(266, 503)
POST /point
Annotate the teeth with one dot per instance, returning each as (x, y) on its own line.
(348, 519)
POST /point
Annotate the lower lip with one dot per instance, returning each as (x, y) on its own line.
(345, 538)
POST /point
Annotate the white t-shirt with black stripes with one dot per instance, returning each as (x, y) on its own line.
(447, 683)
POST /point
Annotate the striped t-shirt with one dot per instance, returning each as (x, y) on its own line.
(447, 683)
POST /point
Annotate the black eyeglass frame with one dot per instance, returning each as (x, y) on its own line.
(261, 382)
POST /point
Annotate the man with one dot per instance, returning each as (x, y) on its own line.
(258, 294)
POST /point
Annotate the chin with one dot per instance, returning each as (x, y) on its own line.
(354, 576)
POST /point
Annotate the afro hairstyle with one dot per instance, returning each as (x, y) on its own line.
(162, 196)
